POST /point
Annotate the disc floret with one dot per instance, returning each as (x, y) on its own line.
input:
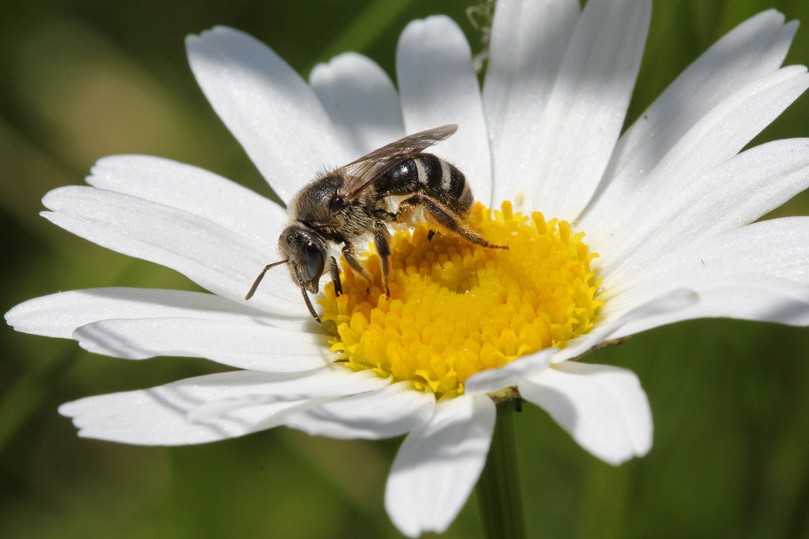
(456, 309)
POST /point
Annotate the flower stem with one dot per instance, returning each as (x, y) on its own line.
(498, 489)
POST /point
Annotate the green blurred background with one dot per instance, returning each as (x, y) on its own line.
(85, 79)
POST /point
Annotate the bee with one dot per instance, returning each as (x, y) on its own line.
(355, 200)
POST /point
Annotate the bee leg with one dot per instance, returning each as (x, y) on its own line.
(351, 258)
(384, 215)
(334, 269)
(448, 219)
(381, 240)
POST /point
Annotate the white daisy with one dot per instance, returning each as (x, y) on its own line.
(667, 206)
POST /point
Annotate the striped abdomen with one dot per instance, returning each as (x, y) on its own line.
(430, 175)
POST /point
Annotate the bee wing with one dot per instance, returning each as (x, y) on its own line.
(361, 172)
(410, 144)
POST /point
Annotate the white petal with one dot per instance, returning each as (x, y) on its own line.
(670, 301)
(268, 107)
(528, 42)
(587, 106)
(757, 272)
(751, 297)
(439, 464)
(776, 248)
(749, 52)
(193, 190)
(245, 344)
(717, 137)
(361, 101)
(603, 408)
(209, 408)
(214, 257)
(438, 86)
(508, 376)
(734, 194)
(58, 315)
(392, 411)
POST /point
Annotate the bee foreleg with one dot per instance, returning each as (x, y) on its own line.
(334, 269)
(381, 240)
(351, 258)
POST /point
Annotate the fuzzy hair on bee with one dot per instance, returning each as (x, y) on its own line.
(345, 204)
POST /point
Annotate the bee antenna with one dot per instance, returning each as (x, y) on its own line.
(261, 276)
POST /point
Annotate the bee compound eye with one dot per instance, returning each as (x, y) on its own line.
(315, 262)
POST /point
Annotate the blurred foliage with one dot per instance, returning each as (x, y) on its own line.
(88, 78)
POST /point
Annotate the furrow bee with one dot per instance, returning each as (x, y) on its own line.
(353, 201)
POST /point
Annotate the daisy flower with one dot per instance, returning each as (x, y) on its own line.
(668, 209)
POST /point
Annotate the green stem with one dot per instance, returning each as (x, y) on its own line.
(498, 489)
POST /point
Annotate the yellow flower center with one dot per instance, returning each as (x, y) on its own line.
(457, 309)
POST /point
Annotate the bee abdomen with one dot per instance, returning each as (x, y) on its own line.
(443, 180)
(402, 179)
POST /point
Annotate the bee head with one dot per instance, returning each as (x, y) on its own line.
(306, 251)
